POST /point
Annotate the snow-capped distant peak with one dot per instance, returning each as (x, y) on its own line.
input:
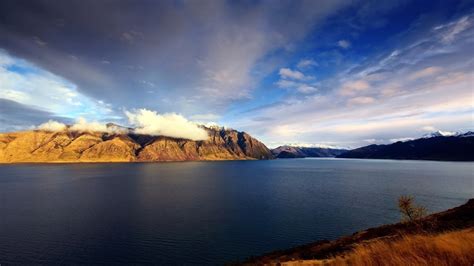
(440, 133)
(467, 134)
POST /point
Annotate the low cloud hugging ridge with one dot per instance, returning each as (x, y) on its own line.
(169, 124)
(144, 121)
(52, 125)
(81, 125)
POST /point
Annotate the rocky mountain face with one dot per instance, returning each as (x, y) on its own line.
(73, 146)
(459, 147)
(303, 152)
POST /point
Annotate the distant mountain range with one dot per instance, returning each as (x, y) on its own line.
(119, 144)
(434, 146)
(288, 151)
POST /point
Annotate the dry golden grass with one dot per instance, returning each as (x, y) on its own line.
(445, 238)
(452, 248)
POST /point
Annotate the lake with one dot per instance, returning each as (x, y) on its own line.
(206, 212)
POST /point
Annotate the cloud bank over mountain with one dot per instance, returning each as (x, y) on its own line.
(142, 121)
(53, 126)
(172, 125)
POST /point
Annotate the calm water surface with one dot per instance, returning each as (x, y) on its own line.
(206, 212)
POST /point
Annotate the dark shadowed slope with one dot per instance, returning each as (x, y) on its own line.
(449, 148)
(303, 152)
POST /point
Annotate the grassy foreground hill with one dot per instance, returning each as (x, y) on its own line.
(445, 238)
(42, 146)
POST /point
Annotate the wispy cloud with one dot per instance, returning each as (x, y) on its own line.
(296, 81)
(362, 100)
(426, 72)
(306, 63)
(287, 73)
(344, 44)
(304, 88)
(354, 87)
(449, 31)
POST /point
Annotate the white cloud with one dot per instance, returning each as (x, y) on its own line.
(14, 95)
(294, 79)
(305, 63)
(213, 125)
(429, 128)
(287, 73)
(285, 84)
(285, 131)
(35, 87)
(344, 44)
(300, 87)
(304, 88)
(6, 60)
(168, 124)
(82, 125)
(403, 139)
(453, 29)
(52, 125)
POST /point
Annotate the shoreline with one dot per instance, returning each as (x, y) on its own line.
(227, 160)
(128, 162)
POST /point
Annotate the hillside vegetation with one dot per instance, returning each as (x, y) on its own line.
(450, 248)
(445, 238)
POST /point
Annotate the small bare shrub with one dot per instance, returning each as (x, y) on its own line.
(410, 212)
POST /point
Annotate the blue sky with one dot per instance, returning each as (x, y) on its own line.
(341, 73)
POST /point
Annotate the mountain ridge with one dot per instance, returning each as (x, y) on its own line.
(288, 151)
(458, 147)
(121, 145)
